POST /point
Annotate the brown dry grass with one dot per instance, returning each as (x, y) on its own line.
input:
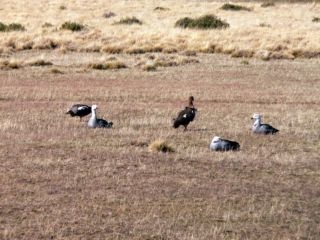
(61, 180)
(292, 33)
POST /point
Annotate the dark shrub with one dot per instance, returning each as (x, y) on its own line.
(129, 21)
(47, 25)
(39, 63)
(72, 26)
(233, 7)
(109, 14)
(161, 9)
(3, 27)
(316, 19)
(11, 27)
(204, 22)
(267, 4)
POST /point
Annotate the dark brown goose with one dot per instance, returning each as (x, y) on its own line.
(185, 116)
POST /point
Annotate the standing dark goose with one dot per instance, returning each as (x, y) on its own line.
(79, 110)
(185, 116)
(95, 122)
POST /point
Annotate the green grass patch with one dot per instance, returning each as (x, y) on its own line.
(204, 22)
(11, 27)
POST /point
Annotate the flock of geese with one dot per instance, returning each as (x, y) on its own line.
(184, 117)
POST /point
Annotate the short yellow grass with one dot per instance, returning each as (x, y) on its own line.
(291, 33)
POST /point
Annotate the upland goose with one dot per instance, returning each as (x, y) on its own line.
(95, 122)
(260, 128)
(185, 116)
(79, 110)
(219, 144)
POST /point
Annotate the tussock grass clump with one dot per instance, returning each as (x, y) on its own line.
(316, 19)
(242, 53)
(47, 25)
(233, 7)
(109, 14)
(149, 67)
(72, 26)
(56, 71)
(11, 27)
(129, 21)
(267, 4)
(39, 63)
(161, 9)
(204, 22)
(15, 27)
(10, 64)
(3, 27)
(111, 65)
(46, 43)
(161, 145)
(264, 25)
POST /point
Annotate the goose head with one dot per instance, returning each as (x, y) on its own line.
(256, 116)
(215, 139)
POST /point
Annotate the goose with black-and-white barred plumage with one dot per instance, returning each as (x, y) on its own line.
(79, 110)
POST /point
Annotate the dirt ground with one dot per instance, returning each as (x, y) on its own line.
(61, 180)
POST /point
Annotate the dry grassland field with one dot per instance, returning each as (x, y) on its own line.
(60, 179)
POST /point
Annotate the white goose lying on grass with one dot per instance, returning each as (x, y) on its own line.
(219, 144)
(260, 128)
(95, 122)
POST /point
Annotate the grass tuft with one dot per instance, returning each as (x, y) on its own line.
(10, 65)
(129, 21)
(316, 19)
(204, 22)
(72, 26)
(149, 67)
(47, 25)
(11, 27)
(267, 4)
(62, 7)
(245, 62)
(109, 14)
(111, 65)
(161, 145)
(233, 7)
(39, 63)
(161, 9)
(56, 71)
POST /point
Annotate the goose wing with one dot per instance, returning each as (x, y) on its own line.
(80, 110)
(184, 117)
(104, 124)
(268, 129)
